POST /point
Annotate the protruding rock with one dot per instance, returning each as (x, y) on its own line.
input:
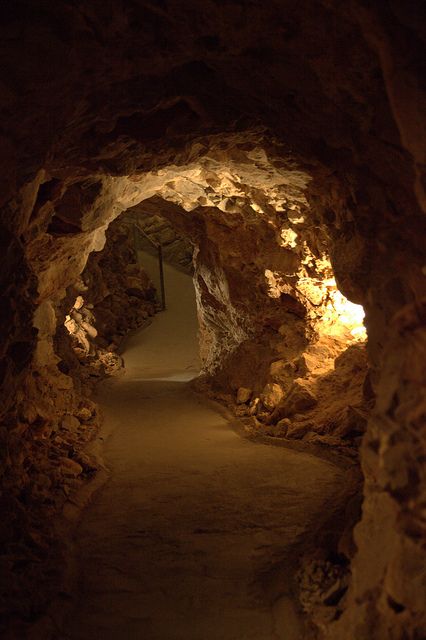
(84, 414)
(354, 421)
(254, 406)
(79, 302)
(70, 467)
(243, 395)
(301, 398)
(276, 367)
(242, 410)
(278, 430)
(70, 423)
(64, 382)
(272, 395)
(296, 431)
(283, 426)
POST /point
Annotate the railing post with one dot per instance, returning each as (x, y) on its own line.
(160, 262)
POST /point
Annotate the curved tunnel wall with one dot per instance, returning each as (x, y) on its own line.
(90, 96)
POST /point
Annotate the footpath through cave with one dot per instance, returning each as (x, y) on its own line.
(184, 539)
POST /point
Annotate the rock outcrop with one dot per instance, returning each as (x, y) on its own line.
(286, 141)
(52, 419)
(122, 295)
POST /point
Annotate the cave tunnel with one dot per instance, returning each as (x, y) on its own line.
(247, 462)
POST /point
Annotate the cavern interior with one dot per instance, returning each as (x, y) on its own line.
(213, 320)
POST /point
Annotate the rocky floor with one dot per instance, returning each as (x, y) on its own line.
(184, 540)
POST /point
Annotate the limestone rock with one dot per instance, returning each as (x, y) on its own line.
(70, 467)
(70, 423)
(254, 405)
(278, 430)
(283, 426)
(297, 430)
(243, 395)
(322, 586)
(84, 414)
(300, 398)
(286, 142)
(271, 395)
(354, 421)
(276, 367)
(242, 410)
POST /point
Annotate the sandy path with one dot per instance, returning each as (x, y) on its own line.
(174, 546)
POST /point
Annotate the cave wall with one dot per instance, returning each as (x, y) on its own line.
(50, 419)
(118, 287)
(93, 91)
(272, 322)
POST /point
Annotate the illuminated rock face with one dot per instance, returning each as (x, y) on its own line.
(273, 135)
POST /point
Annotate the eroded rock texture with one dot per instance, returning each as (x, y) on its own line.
(269, 309)
(272, 135)
(116, 285)
(51, 418)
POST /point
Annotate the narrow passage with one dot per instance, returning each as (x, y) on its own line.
(177, 544)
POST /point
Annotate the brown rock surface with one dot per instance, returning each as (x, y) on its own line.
(273, 136)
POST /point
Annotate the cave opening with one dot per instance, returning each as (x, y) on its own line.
(293, 364)
(305, 333)
(283, 144)
(280, 347)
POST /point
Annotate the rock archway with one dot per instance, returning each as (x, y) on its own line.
(269, 308)
(272, 145)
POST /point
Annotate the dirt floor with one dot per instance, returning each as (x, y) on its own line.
(182, 541)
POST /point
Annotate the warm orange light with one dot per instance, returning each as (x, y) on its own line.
(346, 313)
(335, 314)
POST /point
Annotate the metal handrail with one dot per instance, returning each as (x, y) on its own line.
(159, 248)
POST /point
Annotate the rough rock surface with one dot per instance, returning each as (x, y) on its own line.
(44, 433)
(122, 295)
(187, 552)
(307, 114)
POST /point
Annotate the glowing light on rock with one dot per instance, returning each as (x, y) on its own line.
(288, 237)
(79, 324)
(347, 313)
(336, 315)
(273, 280)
